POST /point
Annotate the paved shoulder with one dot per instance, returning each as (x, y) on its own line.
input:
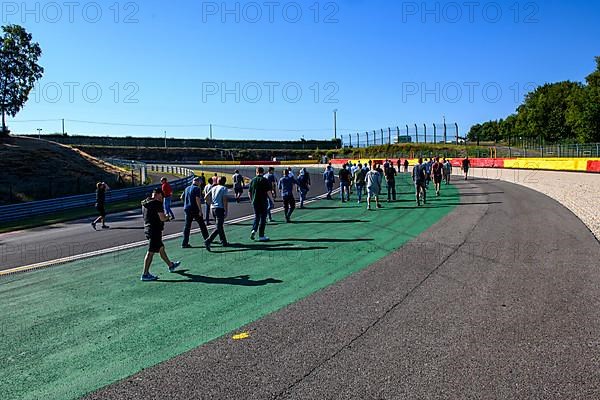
(499, 300)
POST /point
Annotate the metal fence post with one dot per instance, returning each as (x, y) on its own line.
(367, 139)
(425, 132)
(398, 133)
(389, 135)
(417, 133)
(434, 134)
(382, 143)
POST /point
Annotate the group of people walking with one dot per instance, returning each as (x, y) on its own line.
(208, 197)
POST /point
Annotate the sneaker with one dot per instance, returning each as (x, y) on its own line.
(174, 266)
(207, 245)
(379, 206)
(94, 226)
(186, 246)
(253, 235)
(149, 278)
(263, 239)
(105, 227)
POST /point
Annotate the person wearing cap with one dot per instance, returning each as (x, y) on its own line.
(192, 206)
(154, 222)
(168, 195)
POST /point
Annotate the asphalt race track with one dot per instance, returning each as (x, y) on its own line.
(498, 300)
(57, 241)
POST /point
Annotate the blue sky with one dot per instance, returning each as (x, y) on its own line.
(279, 69)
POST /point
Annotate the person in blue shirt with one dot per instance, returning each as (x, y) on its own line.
(329, 178)
(286, 188)
(192, 207)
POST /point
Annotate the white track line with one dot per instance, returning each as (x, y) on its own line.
(128, 246)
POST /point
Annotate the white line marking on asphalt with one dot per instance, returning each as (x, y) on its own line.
(128, 246)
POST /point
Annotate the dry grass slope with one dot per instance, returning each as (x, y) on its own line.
(35, 169)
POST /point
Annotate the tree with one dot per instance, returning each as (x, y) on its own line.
(19, 70)
(544, 112)
(584, 109)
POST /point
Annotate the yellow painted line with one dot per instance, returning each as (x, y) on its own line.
(241, 336)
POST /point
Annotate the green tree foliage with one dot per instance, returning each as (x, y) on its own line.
(19, 70)
(544, 112)
(584, 108)
(555, 112)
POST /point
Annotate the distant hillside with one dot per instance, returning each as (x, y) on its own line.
(35, 169)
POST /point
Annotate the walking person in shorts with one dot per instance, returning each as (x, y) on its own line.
(192, 207)
(154, 222)
(101, 189)
(466, 164)
(373, 180)
(238, 185)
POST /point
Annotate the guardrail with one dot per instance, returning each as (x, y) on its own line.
(43, 207)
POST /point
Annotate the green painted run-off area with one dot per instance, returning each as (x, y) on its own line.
(75, 328)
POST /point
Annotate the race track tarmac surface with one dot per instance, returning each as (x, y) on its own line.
(67, 239)
(500, 300)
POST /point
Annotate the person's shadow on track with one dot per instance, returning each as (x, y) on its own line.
(242, 280)
(239, 247)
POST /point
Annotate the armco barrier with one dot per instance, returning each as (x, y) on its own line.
(36, 208)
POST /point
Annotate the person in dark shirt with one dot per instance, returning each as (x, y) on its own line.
(344, 176)
(192, 207)
(390, 179)
(406, 165)
(286, 188)
(154, 221)
(101, 189)
(466, 164)
(260, 193)
(303, 185)
(437, 170)
(270, 176)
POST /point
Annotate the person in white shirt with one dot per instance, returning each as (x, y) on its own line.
(219, 208)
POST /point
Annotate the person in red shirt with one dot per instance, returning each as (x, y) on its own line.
(167, 197)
